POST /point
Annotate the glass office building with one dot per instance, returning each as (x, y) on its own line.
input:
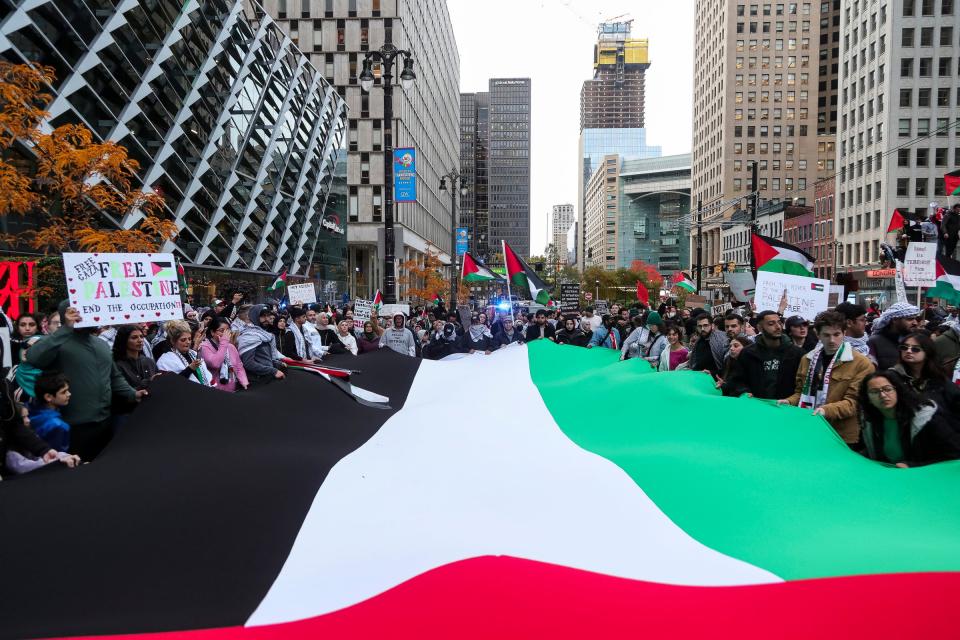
(227, 118)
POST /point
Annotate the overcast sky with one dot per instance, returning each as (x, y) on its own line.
(551, 42)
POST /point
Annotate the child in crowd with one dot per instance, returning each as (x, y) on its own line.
(52, 394)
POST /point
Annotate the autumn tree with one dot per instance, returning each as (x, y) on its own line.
(63, 183)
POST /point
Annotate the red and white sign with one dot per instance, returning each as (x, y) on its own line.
(588, 296)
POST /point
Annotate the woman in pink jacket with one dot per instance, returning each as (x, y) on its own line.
(222, 358)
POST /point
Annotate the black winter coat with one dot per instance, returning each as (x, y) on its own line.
(748, 374)
(533, 332)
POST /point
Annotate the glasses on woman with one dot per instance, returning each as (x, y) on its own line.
(912, 348)
(882, 391)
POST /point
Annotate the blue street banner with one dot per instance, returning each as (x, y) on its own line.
(461, 240)
(405, 175)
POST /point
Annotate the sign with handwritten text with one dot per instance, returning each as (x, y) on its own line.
(122, 288)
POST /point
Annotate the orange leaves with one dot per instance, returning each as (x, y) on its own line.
(75, 179)
(424, 281)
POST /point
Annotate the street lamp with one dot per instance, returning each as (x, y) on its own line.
(597, 282)
(386, 56)
(454, 177)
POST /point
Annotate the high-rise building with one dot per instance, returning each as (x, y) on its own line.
(635, 210)
(757, 70)
(229, 122)
(613, 99)
(336, 35)
(561, 218)
(495, 165)
(898, 135)
(611, 111)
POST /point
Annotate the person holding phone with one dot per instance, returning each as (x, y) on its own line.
(182, 359)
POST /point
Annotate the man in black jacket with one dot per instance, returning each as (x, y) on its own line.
(540, 328)
(949, 230)
(768, 367)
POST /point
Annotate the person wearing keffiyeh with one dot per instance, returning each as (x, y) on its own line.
(257, 350)
(892, 326)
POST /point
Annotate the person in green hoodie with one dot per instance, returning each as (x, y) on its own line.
(94, 379)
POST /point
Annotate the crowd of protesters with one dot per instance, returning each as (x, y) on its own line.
(885, 381)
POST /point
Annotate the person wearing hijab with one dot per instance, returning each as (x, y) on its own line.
(478, 338)
(258, 352)
(571, 334)
(898, 321)
(222, 358)
(345, 335)
(368, 339)
(182, 359)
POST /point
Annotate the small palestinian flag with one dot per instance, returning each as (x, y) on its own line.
(897, 221)
(181, 277)
(377, 302)
(437, 300)
(281, 281)
(816, 287)
(523, 277)
(774, 256)
(475, 271)
(682, 281)
(947, 286)
(951, 183)
(161, 269)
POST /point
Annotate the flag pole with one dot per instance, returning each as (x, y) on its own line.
(503, 244)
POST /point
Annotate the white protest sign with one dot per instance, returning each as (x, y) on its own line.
(741, 284)
(836, 295)
(361, 312)
(122, 288)
(806, 297)
(302, 293)
(720, 309)
(390, 310)
(920, 264)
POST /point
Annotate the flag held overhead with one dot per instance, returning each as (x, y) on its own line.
(772, 255)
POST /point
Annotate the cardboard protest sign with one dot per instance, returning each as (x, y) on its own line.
(122, 288)
(695, 302)
(806, 297)
(361, 312)
(390, 310)
(569, 297)
(720, 309)
(836, 295)
(742, 285)
(920, 265)
(601, 307)
(302, 293)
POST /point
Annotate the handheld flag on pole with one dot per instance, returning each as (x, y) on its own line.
(642, 294)
(682, 281)
(896, 221)
(947, 285)
(181, 277)
(951, 183)
(774, 256)
(523, 277)
(377, 302)
(279, 283)
(475, 271)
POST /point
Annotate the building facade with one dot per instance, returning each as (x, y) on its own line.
(229, 122)
(561, 219)
(495, 164)
(735, 236)
(824, 247)
(654, 206)
(757, 70)
(612, 110)
(336, 35)
(899, 105)
(636, 210)
(614, 98)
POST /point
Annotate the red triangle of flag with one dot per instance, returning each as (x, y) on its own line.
(896, 221)
(940, 270)
(156, 268)
(762, 252)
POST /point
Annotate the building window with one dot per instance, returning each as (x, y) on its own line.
(905, 125)
(906, 68)
(903, 188)
(906, 38)
(903, 157)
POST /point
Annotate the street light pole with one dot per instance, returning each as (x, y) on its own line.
(454, 177)
(386, 56)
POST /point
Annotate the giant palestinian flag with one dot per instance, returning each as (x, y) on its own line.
(947, 285)
(526, 282)
(292, 511)
(770, 254)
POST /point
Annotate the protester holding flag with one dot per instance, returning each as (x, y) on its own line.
(921, 369)
(399, 338)
(829, 378)
(855, 328)
(138, 369)
(950, 231)
(570, 333)
(478, 337)
(346, 337)
(369, 338)
(901, 429)
(710, 348)
(181, 358)
(606, 335)
(675, 354)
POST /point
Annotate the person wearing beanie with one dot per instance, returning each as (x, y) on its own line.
(646, 342)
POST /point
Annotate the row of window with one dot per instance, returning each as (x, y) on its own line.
(764, 131)
(862, 194)
(908, 36)
(774, 184)
(924, 67)
(778, 62)
(790, 44)
(777, 27)
(809, 232)
(776, 147)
